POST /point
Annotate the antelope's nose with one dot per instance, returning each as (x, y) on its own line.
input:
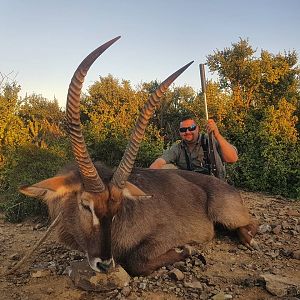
(100, 265)
(103, 266)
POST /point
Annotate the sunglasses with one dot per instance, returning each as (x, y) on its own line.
(185, 129)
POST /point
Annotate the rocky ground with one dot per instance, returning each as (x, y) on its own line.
(222, 270)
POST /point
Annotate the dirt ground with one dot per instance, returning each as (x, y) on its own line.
(231, 270)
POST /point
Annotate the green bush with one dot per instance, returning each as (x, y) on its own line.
(24, 166)
(111, 150)
(269, 158)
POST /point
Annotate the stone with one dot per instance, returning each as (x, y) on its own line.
(14, 256)
(40, 273)
(176, 274)
(87, 279)
(285, 225)
(180, 265)
(293, 213)
(277, 229)
(50, 291)
(296, 254)
(264, 228)
(273, 253)
(38, 226)
(281, 285)
(126, 291)
(194, 285)
(221, 296)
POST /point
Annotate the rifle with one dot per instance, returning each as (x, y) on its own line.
(212, 165)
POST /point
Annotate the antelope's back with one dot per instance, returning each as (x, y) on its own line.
(174, 215)
(166, 182)
(198, 195)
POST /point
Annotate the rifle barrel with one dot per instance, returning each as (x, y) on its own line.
(203, 87)
(211, 144)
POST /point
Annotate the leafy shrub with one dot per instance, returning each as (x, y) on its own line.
(111, 150)
(269, 152)
(24, 166)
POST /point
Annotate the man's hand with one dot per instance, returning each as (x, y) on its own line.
(158, 163)
(229, 152)
(211, 126)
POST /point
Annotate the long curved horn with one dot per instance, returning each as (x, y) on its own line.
(91, 179)
(125, 167)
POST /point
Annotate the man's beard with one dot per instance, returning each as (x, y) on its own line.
(191, 142)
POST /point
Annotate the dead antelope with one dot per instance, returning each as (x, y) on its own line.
(135, 217)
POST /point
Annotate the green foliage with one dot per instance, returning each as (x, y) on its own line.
(174, 105)
(150, 148)
(111, 108)
(26, 165)
(109, 115)
(33, 145)
(44, 120)
(256, 81)
(269, 158)
(13, 131)
(261, 117)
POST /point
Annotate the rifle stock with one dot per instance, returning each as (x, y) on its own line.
(213, 170)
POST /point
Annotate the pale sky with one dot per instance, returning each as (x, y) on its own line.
(43, 42)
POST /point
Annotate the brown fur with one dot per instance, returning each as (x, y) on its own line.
(182, 210)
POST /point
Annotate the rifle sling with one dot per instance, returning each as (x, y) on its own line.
(188, 162)
(205, 153)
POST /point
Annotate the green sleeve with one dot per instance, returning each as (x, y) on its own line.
(171, 155)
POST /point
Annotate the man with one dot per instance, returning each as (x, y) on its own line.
(189, 153)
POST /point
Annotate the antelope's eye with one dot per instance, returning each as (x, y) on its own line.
(85, 205)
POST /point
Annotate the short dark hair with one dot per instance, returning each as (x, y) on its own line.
(187, 116)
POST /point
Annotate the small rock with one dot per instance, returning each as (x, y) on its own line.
(273, 253)
(14, 256)
(176, 274)
(249, 282)
(294, 232)
(293, 213)
(277, 229)
(38, 226)
(87, 279)
(286, 252)
(180, 265)
(126, 291)
(281, 285)
(242, 247)
(264, 228)
(296, 254)
(221, 296)
(285, 225)
(50, 291)
(40, 273)
(142, 285)
(194, 285)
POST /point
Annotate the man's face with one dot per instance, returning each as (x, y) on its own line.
(186, 131)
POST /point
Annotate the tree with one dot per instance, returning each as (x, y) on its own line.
(33, 147)
(12, 129)
(262, 118)
(174, 105)
(44, 120)
(109, 113)
(237, 70)
(256, 82)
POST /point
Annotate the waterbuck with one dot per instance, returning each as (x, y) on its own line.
(139, 218)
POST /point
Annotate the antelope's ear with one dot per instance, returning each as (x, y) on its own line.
(131, 191)
(51, 188)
